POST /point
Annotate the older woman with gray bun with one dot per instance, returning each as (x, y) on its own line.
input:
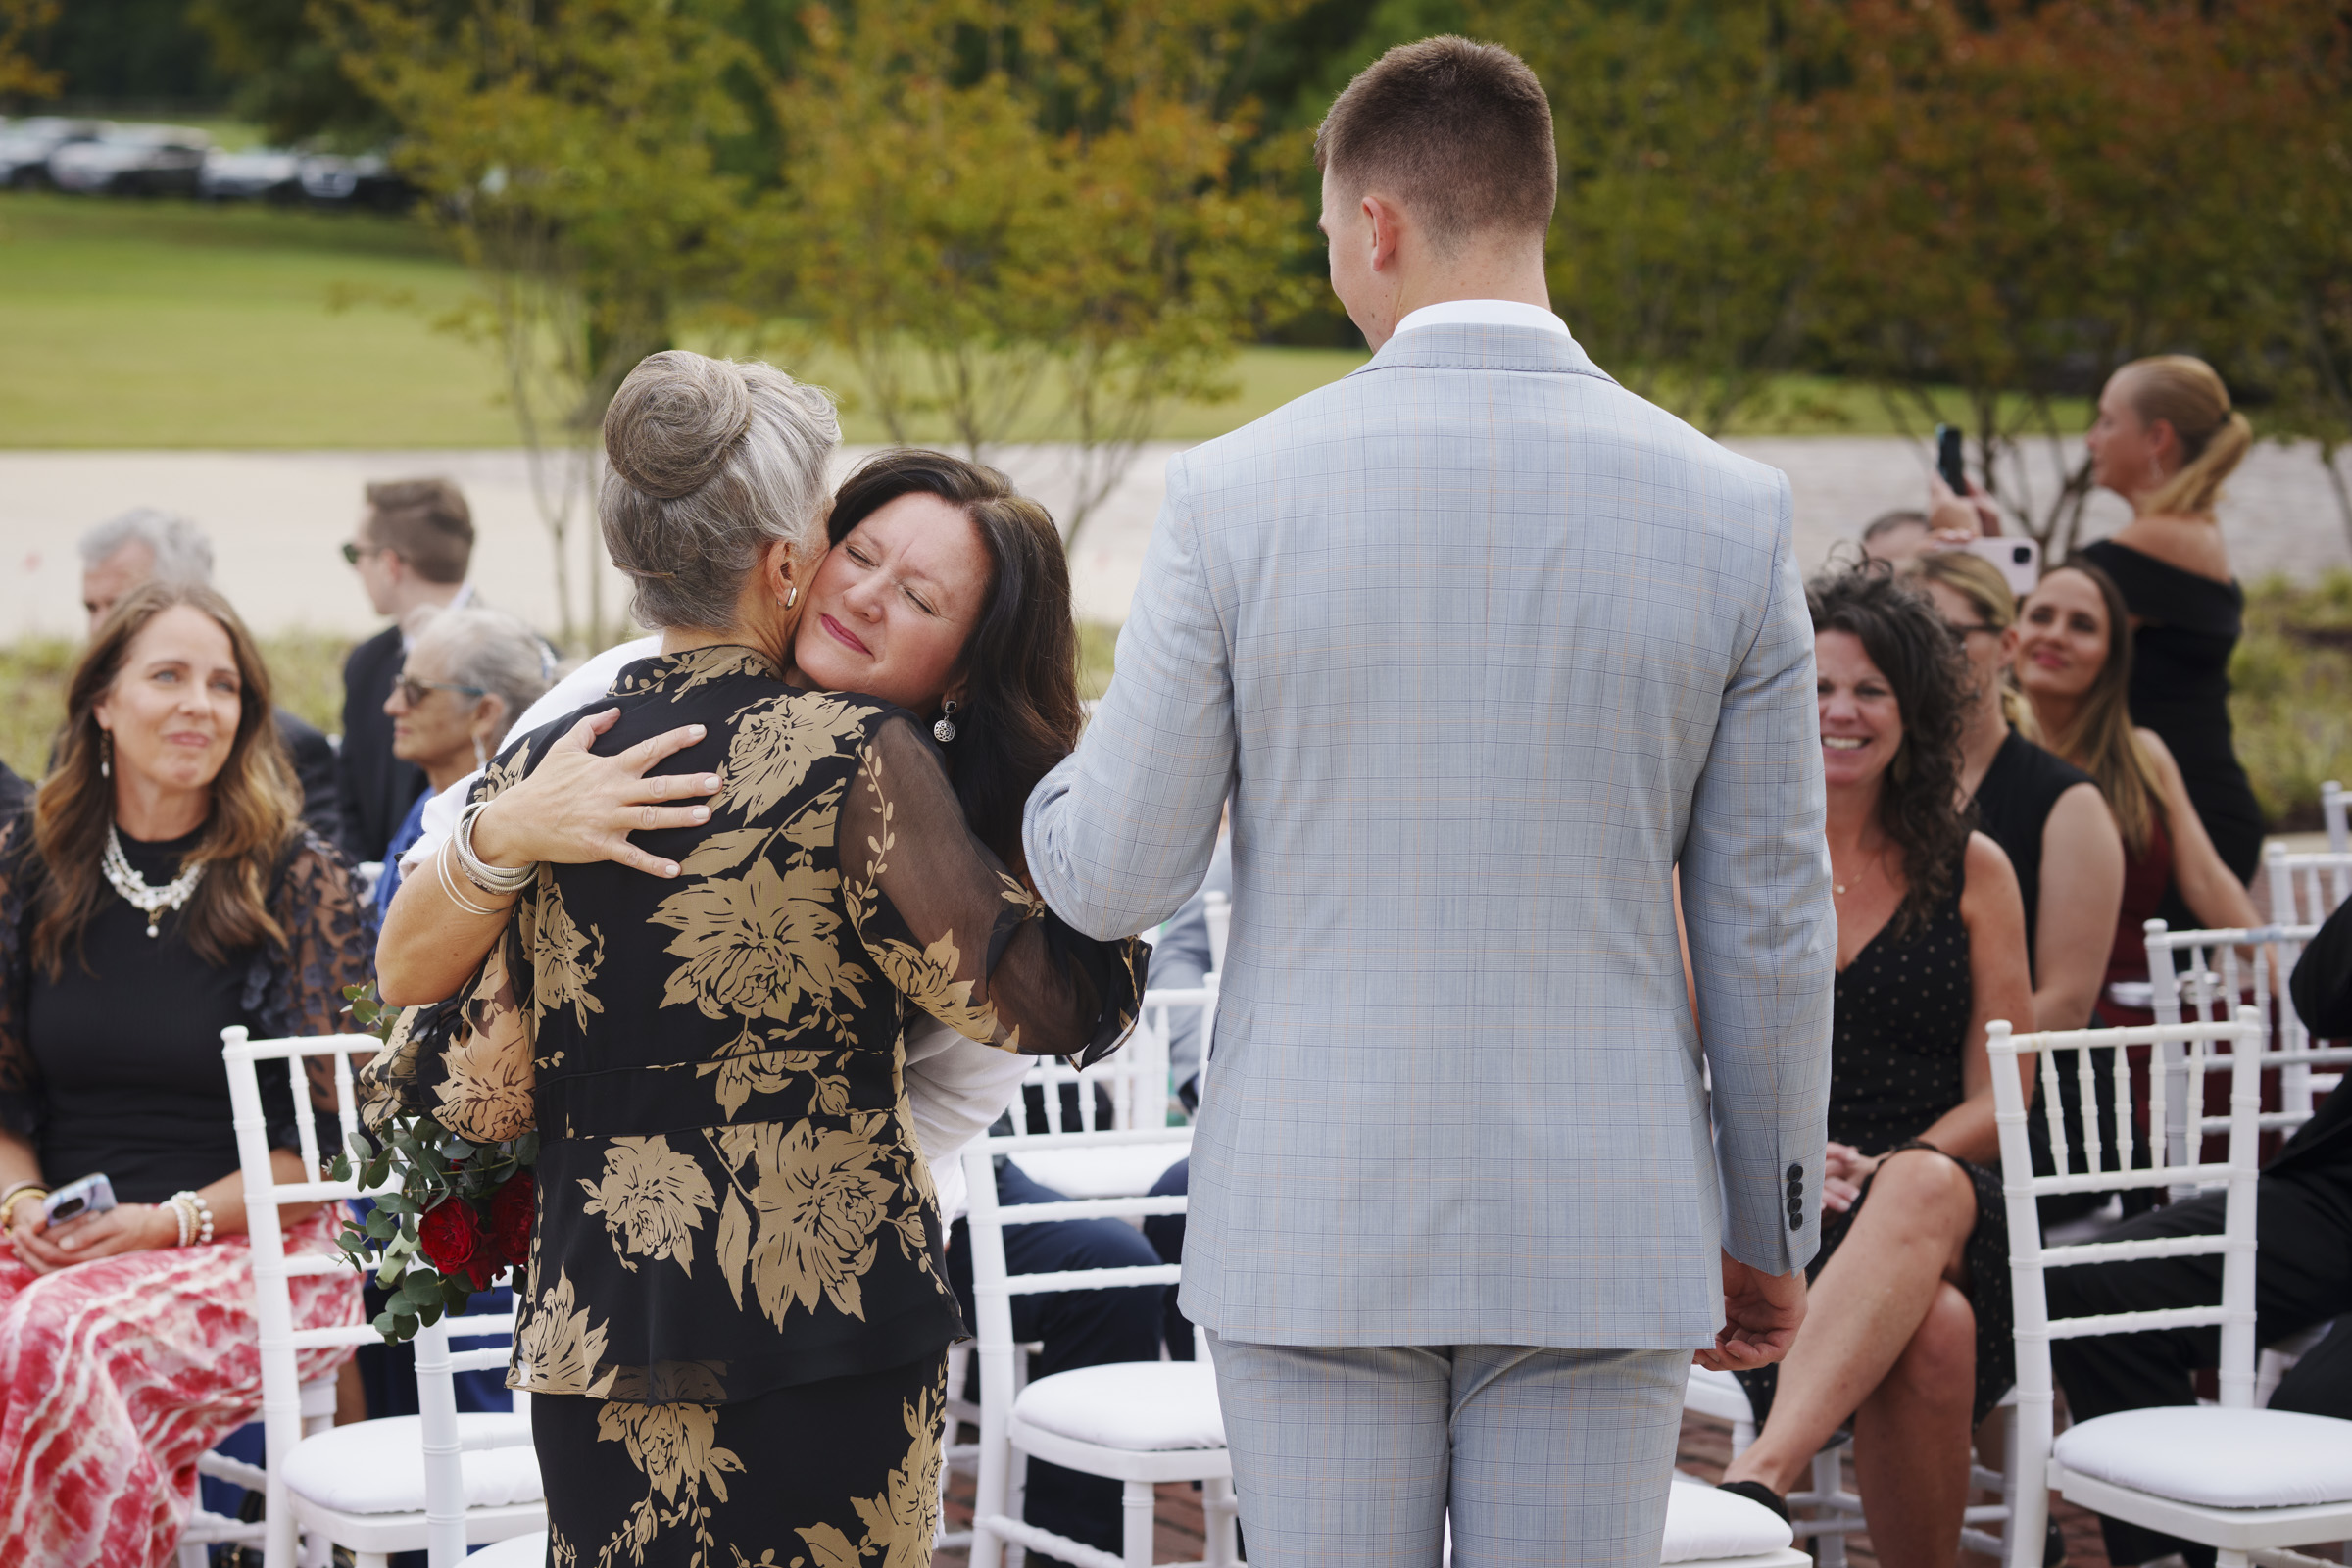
(737, 1266)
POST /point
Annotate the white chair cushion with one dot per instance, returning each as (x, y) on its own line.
(1109, 1171)
(515, 1551)
(1704, 1523)
(374, 1467)
(1133, 1406)
(2214, 1457)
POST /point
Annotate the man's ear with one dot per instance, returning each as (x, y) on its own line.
(1386, 221)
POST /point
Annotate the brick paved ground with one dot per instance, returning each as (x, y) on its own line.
(1705, 1451)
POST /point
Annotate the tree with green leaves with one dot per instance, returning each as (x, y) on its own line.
(568, 155)
(1677, 254)
(1024, 219)
(21, 22)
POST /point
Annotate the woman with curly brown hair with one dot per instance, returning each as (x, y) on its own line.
(1909, 1331)
(161, 888)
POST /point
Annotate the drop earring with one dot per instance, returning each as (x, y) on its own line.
(106, 753)
(792, 595)
(945, 730)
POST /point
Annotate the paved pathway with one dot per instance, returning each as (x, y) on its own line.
(277, 517)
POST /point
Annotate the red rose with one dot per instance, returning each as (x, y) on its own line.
(511, 1211)
(451, 1238)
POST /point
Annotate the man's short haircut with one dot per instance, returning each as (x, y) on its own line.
(1458, 133)
(183, 556)
(426, 524)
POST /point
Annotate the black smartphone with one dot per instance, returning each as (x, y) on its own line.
(1947, 459)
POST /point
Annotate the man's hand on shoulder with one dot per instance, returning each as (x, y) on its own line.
(1761, 1314)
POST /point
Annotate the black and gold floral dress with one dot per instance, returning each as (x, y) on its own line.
(738, 1312)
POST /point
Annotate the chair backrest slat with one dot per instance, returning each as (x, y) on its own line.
(2333, 814)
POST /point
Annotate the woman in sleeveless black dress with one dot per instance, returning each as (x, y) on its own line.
(1907, 1335)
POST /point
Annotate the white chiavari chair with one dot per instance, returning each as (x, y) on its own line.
(2333, 814)
(2246, 1481)
(432, 1482)
(2306, 888)
(1138, 1422)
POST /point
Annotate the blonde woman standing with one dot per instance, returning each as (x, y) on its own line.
(2165, 440)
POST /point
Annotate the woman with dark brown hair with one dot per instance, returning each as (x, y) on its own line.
(1908, 1335)
(161, 888)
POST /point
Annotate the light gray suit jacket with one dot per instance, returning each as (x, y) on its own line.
(1483, 646)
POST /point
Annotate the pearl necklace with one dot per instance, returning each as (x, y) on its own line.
(142, 895)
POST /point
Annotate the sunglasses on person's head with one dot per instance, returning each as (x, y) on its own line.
(412, 690)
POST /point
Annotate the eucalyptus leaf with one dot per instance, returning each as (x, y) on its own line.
(402, 1306)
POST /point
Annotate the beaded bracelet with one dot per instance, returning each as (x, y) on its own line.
(195, 1217)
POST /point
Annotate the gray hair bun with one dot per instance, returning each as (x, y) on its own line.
(673, 422)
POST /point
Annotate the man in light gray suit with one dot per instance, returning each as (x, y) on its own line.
(1484, 648)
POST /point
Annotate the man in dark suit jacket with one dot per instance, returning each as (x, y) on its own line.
(126, 552)
(2302, 1268)
(414, 544)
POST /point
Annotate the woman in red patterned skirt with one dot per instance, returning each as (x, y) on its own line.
(159, 888)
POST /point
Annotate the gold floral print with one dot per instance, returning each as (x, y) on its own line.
(905, 1517)
(928, 979)
(778, 742)
(675, 1446)
(652, 1199)
(819, 1206)
(561, 1551)
(560, 1348)
(759, 945)
(680, 674)
(567, 958)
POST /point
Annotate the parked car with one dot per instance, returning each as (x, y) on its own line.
(132, 161)
(266, 173)
(363, 181)
(26, 146)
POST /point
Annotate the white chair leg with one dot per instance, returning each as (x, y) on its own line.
(1136, 1506)
(193, 1555)
(1743, 1433)
(1221, 1512)
(1829, 1479)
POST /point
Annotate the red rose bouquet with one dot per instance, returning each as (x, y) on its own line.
(452, 1214)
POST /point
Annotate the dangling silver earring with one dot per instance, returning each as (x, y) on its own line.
(792, 595)
(106, 753)
(945, 730)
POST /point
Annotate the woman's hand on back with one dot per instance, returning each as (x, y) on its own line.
(577, 807)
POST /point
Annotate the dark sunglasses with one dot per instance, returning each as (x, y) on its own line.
(1960, 634)
(354, 554)
(412, 690)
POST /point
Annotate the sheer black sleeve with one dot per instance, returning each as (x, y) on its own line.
(952, 930)
(328, 946)
(21, 1097)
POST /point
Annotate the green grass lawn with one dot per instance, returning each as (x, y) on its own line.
(167, 323)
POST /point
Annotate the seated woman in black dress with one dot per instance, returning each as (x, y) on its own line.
(161, 889)
(2048, 815)
(2165, 440)
(1908, 1330)
(737, 1269)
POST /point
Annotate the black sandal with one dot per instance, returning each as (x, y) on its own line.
(1757, 1492)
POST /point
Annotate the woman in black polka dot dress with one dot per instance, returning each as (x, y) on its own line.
(1908, 1330)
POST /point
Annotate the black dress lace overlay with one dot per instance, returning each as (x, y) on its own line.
(1896, 1045)
(113, 1064)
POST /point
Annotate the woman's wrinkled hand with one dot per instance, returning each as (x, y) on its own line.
(1956, 519)
(131, 1228)
(1843, 1170)
(577, 807)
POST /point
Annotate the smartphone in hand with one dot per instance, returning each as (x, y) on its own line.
(1948, 461)
(79, 1200)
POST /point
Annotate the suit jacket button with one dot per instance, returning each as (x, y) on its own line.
(1796, 1173)
(1796, 1222)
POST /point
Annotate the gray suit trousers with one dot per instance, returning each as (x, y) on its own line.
(1358, 1454)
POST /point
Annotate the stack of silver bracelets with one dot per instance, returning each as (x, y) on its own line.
(498, 881)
